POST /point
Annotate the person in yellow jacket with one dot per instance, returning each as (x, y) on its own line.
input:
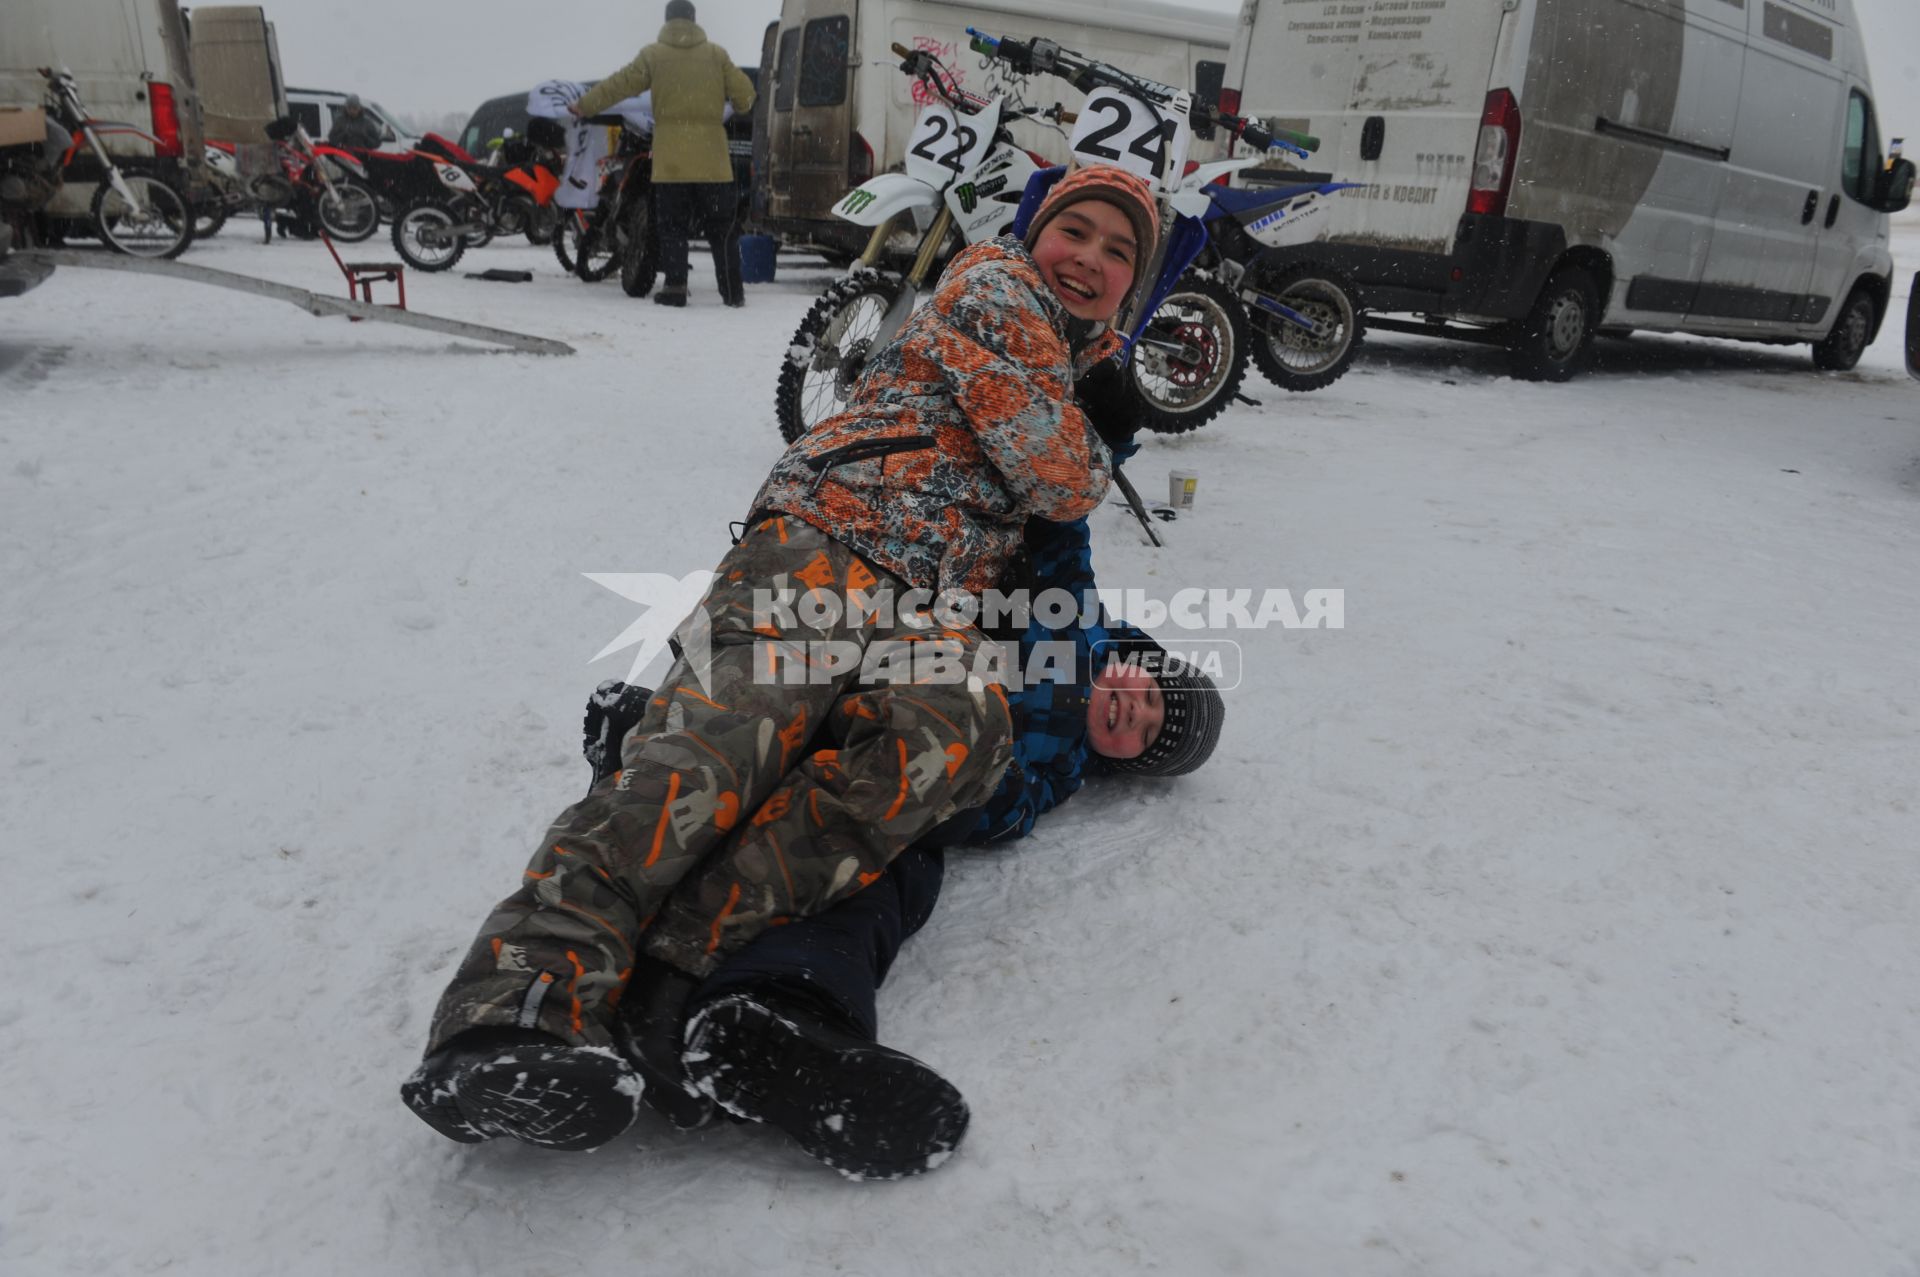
(692, 81)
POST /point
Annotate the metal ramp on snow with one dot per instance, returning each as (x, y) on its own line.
(311, 302)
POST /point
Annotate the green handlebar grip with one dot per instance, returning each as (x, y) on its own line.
(1305, 141)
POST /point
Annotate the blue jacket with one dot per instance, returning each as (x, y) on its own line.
(1050, 753)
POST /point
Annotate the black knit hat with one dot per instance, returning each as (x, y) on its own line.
(679, 9)
(1193, 708)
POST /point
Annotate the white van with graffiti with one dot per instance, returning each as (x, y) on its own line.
(1532, 172)
(837, 110)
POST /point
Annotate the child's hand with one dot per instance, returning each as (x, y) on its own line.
(1106, 396)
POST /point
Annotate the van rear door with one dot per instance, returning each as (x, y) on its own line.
(236, 72)
(1395, 90)
(811, 123)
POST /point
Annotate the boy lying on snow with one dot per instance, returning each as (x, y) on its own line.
(784, 1032)
(745, 799)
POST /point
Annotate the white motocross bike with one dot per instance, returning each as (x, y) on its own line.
(964, 180)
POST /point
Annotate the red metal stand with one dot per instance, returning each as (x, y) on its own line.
(362, 276)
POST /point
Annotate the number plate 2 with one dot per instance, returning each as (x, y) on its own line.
(1117, 129)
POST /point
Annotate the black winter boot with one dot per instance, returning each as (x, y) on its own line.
(651, 1026)
(527, 1085)
(614, 709)
(670, 295)
(866, 1110)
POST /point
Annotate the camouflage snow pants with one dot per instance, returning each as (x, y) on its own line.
(786, 758)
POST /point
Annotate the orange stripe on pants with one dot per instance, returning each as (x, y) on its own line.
(733, 898)
(901, 800)
(666, 808)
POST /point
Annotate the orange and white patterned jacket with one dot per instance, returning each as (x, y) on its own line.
(958, 430)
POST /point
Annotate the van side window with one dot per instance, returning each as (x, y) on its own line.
(1860, 165)
(823, 62)
(308, 113)
(787, 77)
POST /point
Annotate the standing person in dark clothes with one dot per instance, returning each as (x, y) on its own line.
(353, 129)
(692, 80)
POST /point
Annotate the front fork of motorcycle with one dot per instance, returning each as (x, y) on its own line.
(114, 179)
(923, 262)
(910, 285)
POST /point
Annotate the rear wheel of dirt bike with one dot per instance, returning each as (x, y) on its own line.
(542, 223)
(1312, 345)
(348, 212)
(829, 351)
(516, 211)
(208, 219)
(639, 252)
(597, 255)
(1190, 361)
(566, 238)
(162, 226)
(423, 236)
(474, 213)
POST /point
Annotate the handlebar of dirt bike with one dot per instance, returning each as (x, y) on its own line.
(1040, 55)
(925, 67)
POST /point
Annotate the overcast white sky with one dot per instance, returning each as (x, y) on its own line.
(429, 57)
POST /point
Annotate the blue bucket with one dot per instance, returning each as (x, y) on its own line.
(756, 258)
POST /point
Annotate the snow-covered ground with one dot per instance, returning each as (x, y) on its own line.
(1556, 916)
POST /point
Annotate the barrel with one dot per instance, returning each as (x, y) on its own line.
(756, 258)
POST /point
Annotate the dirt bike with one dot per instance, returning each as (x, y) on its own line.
(1213, 302)
(136, 210)
(618, 231)
(964, 179)
(450, 202)
(318, 188)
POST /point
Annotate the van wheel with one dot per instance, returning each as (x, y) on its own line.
(1555, 341)
(1841, 349)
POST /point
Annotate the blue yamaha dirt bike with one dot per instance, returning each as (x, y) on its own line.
(1212, 302)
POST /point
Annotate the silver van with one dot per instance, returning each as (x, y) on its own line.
(1532, 172)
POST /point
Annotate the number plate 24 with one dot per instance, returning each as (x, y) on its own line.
(1150, 142)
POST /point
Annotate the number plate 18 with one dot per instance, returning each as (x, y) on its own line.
(1117, 129)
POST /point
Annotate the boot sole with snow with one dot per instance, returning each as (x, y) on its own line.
(567, 1098)
(860, 1108)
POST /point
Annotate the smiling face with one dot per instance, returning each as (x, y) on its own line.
(1125, 712)
(1086, 253)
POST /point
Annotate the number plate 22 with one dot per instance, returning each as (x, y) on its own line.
(945, 145)
(1115, 128)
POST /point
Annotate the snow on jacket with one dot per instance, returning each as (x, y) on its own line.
(692, 81)
(959, 430)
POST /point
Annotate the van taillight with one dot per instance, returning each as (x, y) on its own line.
(1229, 101)
(859, 160)
(166, 119)
(1493, 157)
